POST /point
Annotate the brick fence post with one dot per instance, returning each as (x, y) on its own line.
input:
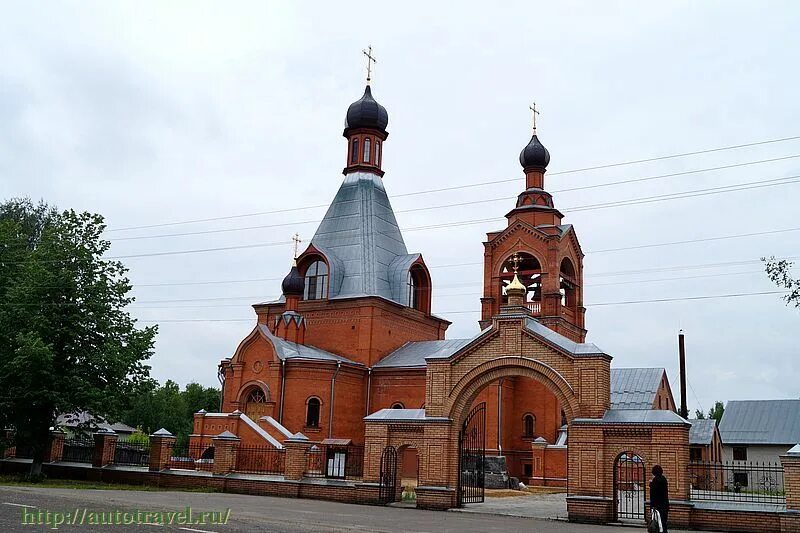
(537, 464)
(296, 448)
(791, 478)
(55, 448)
(105, 444)
(161, 443)
(226, 446)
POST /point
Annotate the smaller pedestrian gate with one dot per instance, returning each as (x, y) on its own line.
(387, 492)
(472, 456)
(629, 487)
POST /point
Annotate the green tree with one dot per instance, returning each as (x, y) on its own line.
(778, 272)
(717, 411)
(170, 408)
(66, 342)
(699, 415)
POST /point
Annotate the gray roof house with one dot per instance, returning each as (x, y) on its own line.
(759, 430)
(640, 388)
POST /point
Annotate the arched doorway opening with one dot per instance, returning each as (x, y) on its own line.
(629, 487)
(551, 385)
(255, 401)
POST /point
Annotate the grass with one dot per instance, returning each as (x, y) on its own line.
(21, 481)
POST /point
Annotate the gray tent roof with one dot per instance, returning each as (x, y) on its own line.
(287, 350)
(560, 341)
(702, 431)
(761, 422)
(360, 237)
(634, 388)
(413, 354)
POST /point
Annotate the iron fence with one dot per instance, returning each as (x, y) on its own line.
(191, 457)
(260, 460)
(335, 461)
(738, 481)
(131, 454)
(78, 449)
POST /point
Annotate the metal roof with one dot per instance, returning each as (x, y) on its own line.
(635, 416)
(761, 422)
(560, 341)
(413, 354)
(702, 431)
(403, 415)
(635, 388)
(287, 350)
(360, 238)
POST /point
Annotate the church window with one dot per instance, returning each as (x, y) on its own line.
(316, 281)
(256, 396)
(528, 425)
(412, 291)
(312, 412)
(398, 405)
(377, 152)
(354, 152)
(367, 150)
(418, 287)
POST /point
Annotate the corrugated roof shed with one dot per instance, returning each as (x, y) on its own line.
(761, 422)
(634, 388)
(702, 431)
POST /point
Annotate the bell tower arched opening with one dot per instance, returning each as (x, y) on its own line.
(529, 271)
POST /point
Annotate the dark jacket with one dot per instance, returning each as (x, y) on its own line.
(659, 492)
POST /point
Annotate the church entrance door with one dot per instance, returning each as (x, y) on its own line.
(387, 492)
(472, 456)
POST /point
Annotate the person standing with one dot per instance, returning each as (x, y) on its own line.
(659, 495)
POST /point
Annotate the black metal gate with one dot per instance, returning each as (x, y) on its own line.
(387, 493)
(629, 487)
(471, 456)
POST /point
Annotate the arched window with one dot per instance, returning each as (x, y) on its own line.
(354, 152)
(312, 412)
(530, 274)
(397, 405)
(528, 425)
(377, 152)
(367, 149)
(568, 284)
(316, 281)
(417, 288)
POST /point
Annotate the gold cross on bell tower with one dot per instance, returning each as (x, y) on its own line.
(515, 261)
(370, 60)
(534, 112)
(297, 241)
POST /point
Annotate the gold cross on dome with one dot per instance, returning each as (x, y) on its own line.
(370, 60)
(515, 261)
(297, 241)
(534, 112)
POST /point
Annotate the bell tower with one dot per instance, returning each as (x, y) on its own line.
(538, 251)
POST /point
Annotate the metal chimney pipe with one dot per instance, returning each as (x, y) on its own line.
(682, 351)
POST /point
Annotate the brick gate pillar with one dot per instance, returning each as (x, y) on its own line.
(791, 478)
(161, 443)
(105, 444)
(226, 447)
(296, 448)
(55, 449)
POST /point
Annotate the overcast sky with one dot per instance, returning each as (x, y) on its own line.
(156, 112)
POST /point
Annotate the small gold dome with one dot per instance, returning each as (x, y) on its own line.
(515, 287)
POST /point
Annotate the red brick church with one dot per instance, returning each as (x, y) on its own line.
(354, 334)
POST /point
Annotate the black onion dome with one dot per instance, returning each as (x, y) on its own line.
(366, 113)
(293, 284)
(534, 154)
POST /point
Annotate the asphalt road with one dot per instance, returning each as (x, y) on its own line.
(255, 513)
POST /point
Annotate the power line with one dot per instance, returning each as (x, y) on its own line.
(635, 201)
(444, 206)
(477, 311)
(585, 169)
